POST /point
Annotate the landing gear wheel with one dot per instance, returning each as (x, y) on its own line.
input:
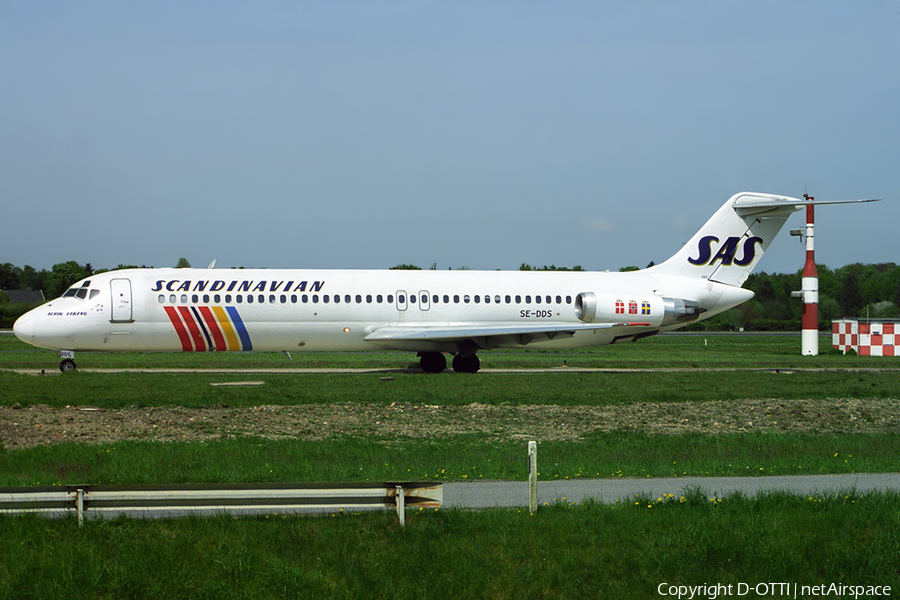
(466, 364)
(432, 362)
(67, 365)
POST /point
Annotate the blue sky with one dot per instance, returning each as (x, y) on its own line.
(480, 134)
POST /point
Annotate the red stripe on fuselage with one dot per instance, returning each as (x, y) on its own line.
(213, 325)
(179, 329)
(196, 334)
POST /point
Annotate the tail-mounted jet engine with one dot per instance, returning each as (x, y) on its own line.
(655, 310)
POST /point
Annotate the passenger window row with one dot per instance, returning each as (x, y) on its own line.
(358, 299)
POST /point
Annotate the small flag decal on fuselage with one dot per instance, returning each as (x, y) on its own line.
(215, 328)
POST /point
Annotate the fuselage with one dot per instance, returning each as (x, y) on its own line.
(428, 312)
(337, 310)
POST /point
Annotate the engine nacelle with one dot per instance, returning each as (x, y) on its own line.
(655, 311)
(586, 306)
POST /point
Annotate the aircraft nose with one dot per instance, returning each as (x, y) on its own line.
(24, 328)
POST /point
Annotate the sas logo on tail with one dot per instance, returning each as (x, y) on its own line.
(727, 251)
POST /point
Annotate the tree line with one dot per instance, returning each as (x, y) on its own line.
(856, 290)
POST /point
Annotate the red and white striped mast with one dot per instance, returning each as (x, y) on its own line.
(809, 289)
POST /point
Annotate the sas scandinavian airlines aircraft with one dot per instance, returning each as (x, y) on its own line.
(427, 312)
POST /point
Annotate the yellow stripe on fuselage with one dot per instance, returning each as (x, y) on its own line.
(230, 335)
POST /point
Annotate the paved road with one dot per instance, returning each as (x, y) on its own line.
(514, 494)
(494, 494)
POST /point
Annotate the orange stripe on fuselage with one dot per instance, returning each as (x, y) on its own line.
(233, 342)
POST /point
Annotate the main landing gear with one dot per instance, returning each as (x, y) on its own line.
(468, 363)
(434, 362)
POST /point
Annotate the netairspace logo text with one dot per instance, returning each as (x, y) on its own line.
(772, 590)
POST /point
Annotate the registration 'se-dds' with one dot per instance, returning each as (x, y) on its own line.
(427, 312)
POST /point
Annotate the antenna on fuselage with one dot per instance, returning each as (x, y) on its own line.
(212, 265)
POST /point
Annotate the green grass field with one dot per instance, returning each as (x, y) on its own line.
(679, 351)
(585, 551)
(610, 455)
(626, 550)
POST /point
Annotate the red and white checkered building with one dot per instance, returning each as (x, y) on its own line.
(867, 337)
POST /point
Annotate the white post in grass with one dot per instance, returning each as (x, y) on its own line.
(532, 477)
(79, 505)
(401, 505)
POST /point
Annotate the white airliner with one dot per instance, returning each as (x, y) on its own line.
(427, 312)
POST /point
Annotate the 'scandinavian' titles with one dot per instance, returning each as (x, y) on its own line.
(219, 285)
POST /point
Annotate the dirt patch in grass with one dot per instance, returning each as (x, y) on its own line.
(42, 425)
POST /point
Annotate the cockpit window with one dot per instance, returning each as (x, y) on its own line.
(81, 291)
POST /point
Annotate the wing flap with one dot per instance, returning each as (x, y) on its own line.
(486, 336)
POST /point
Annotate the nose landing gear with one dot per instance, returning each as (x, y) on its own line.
(68, 361)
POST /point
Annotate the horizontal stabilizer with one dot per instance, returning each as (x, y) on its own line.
(757, 205)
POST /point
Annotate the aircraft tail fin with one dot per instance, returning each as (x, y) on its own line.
(730, 244)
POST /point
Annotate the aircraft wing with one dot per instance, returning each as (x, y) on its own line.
(487, 336)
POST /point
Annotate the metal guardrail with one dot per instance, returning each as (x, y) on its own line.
(180, 500)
